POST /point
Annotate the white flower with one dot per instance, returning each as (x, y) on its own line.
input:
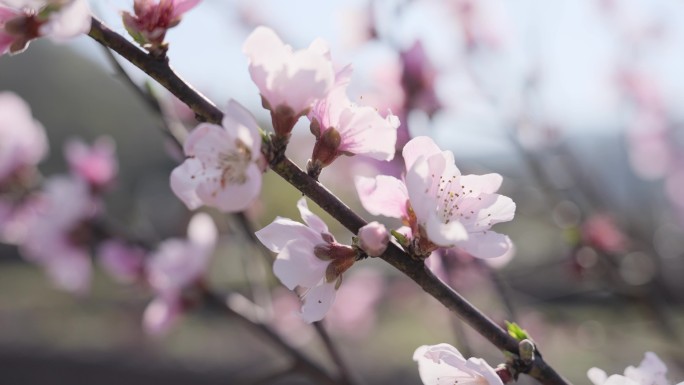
(443, 364)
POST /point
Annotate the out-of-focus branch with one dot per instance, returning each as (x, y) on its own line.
(301, 362)
(414, 269)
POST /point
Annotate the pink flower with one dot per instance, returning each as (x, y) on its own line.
(444, 364)
(59, 237)
(601, 232)
(442, 207)
(373, 239)
(152, 19)
(124, 262)
(97, 164)
(651, 371)
(24, 20)
(23, 139)
(418, 79)
(289, 81)
(309, 258)
(343, 128)
(176, 265)
(221, 169)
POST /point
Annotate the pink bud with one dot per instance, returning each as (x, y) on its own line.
(374, 239)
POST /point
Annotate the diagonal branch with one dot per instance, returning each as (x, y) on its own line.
(414, 269)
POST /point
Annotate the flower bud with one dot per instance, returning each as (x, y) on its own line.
(373, 239)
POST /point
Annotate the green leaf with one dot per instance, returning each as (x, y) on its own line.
(400, 238)
(516, 331)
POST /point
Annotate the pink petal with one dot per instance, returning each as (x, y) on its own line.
(241, 120)
(317, 302)
(417, 147)
(182, 6)
(160, 315)
(207, 141)
(365, 132)
(283, 230)
(296, 265)
(383, 195)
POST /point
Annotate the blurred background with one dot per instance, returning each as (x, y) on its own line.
(575, 103)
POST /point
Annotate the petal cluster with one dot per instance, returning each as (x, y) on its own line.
(152, 18)
(443, 364)
(24, 20)
(176, 265)
(342, 127)
(23, 139)
(442, 207)
(221, 168)
(289, 81)
(58, 235)
(308, 258)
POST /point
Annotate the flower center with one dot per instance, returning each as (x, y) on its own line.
(234, 165)
(448, 195)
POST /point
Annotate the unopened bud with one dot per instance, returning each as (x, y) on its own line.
(325, 149)
(373, 239)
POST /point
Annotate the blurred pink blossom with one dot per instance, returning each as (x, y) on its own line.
(222, 167)
(308, 258)
(354, 312)
(23, 139)
(343, 128)
(418, 79)
(288, 81)
(178, 264)
(124, 262)
(601, 232)
(58, 237)
(24, 20)
(95, 164)
(287, 319)
(442, 364)
(442, 207)
(651, 371)
(152, 18)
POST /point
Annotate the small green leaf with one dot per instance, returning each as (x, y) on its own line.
(516, 331)
(400, 238)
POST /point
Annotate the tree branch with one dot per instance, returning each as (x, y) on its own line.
(414, 269)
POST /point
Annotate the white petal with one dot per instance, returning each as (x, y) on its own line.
(185, 180)
(312, 220)
(296, 265)
(488, 244)
(488, 183)
(318, 301)
(597, 376)
(231, 197)
(444, 234)
(283, 230)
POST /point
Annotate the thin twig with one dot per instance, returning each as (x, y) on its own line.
(344, 372)
(302, 363)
